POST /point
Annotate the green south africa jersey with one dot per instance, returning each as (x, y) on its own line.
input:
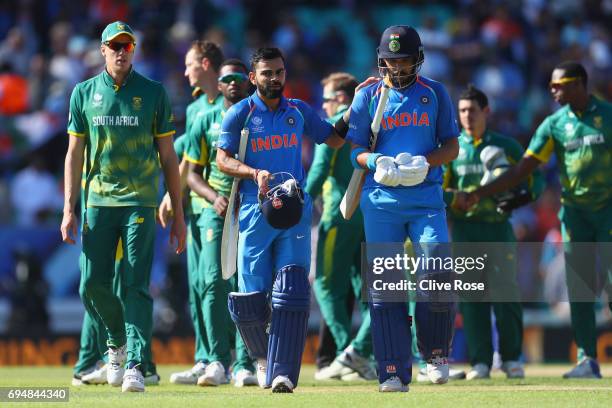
(582, 142)
(466, 171)
(202, 150)
(120, 125)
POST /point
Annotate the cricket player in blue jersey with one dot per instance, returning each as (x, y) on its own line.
(402, 198)
(273, 263)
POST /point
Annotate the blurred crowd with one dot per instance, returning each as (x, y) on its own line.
(506, 48)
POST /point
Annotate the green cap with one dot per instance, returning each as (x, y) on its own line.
(117, 28)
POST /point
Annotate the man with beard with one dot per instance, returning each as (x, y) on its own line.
(580, 135)
(211, 189)
(272, 261)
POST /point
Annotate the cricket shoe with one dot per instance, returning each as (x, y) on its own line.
(133, 380)
(479, 371)
(513, 369)
(282, 384)
(586, 368)
(152, 378)
(393, 384)
(96, 377)
(115, 370)
(214, 375)
(334, 371)
(353, 360)
(437, 370)
(190, 376)
(453, 374)
(244, 378)
(262, 372)
(77, 378)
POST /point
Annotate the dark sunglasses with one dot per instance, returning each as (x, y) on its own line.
(236, 77)
(117, 46)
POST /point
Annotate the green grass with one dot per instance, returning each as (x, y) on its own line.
(543, 387)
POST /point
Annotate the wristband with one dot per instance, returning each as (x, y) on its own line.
(354, 153)
(341, 127)
(371, 163)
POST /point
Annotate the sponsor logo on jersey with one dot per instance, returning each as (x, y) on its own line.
(115, 121)
(137, 102)
(586, 140)
(257, 120)
(97, 100)
(424, 100)
(569, 129)
(274, 142)
(465, 169)
(598, 122)
(405, 119)
(290, 121)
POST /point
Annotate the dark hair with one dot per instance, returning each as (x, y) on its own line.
(235, 62)
(472, 93)
(209, 50)
(574, 69)
(265, 54)
(341, 81)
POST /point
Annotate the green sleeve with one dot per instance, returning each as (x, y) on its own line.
(76, 124)
(180, 146)
(164, 119)
(196, 148)
(541, 144)
(319, 170)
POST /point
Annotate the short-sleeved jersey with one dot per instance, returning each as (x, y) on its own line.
(199, 107)
(582, 142)
(275, 137)
(202, 149)
(180, 146)
(416, 120)
(466, 171)
(120, 125)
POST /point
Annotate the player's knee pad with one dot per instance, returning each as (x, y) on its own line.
(435, 326)
(391, 338)
(251, 314)
(290, 310)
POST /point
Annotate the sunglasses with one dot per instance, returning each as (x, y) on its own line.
(557, 84)
(118, 46)
(236, 77)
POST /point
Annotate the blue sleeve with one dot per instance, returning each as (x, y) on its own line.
(317, 129)
(360, 119)
(232, 124)
(446, 123)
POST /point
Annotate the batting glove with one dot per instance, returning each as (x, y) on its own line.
(412, 169)
(386, 172)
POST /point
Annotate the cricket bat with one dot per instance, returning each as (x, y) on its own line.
(351, 198)
(229, 239)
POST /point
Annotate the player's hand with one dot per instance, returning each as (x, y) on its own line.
(263, 178)
(165, 211)
(178, 234)
(220, 205)
(368, 81)
(413, 169)
(471, 199)
(459, 200)
(69, 227)
(386, 172)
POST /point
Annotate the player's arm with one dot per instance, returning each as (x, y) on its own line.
(73, 171)
(169, 164)
(511, 178)
(446, 153)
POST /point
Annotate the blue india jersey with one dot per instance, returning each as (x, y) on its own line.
(275, 137)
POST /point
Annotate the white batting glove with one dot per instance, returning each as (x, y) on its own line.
(386, 172)
(413, 169)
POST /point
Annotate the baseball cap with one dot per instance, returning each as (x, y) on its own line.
(399, 41)
(115, 29)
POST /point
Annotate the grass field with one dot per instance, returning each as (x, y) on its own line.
(543, 387)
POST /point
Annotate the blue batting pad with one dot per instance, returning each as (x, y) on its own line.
(290, 310)
(251, 313)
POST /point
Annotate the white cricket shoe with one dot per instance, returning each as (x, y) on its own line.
(77, 378)
(282, 384)
(437, 370)
(244, 378)
(586, 368)
(152, 379)
(96, 377)
(513, 369)
(453, 374)
(262, 372)
(334, 371)
(133, 381)
(115, 370)
(393, 384)
(190, 376)
(214, 375)
(353, 360)
(478, 372)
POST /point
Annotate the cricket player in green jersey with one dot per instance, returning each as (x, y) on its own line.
(210, 190)
(486, 223)
(339, 246)
(120, 127)
(580, 135)
(202, 63)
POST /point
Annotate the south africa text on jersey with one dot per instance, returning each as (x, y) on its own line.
(115, 120)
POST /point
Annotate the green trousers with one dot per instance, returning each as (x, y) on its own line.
(501, 272)
(581, 226)
(129, 321)
(194, 248)
(339, 272)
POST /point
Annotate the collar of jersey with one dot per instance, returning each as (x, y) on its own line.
(108, 80)
(262, 106)
(470, 139)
